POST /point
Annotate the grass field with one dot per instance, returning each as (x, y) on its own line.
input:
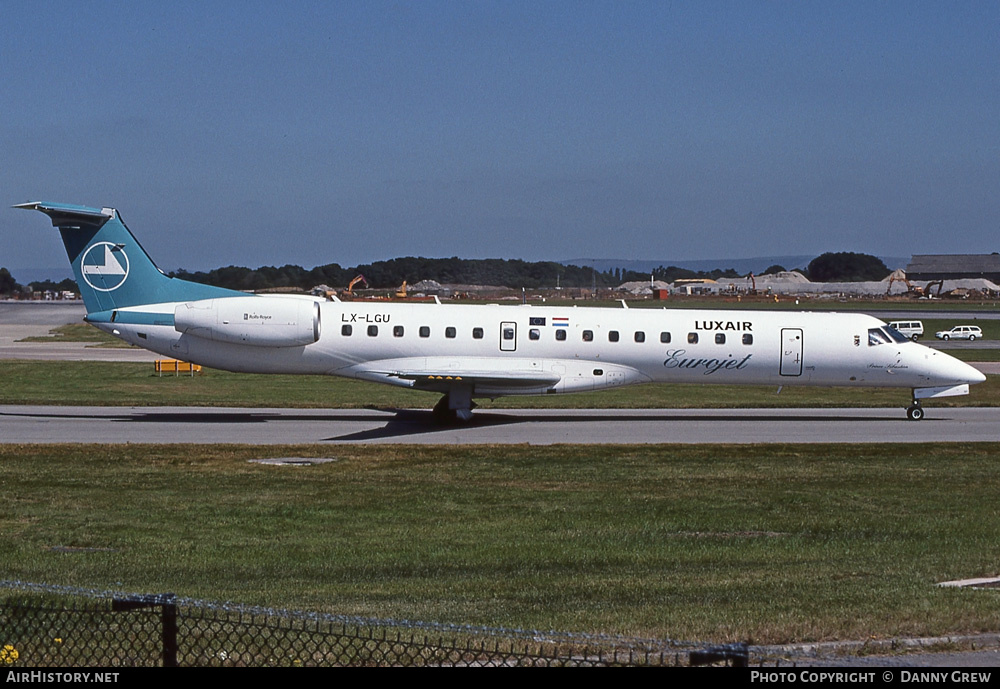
(991, 328)
(766, 544)
(975, 355)
(134, 384)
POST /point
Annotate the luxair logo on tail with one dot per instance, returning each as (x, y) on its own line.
(104, 266)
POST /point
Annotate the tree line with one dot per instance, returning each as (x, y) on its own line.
(514, 273)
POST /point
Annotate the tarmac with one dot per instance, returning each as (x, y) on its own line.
(198, 425)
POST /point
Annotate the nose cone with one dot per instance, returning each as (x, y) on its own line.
(975, 376)
(951, 370)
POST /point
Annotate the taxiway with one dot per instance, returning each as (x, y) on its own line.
(139, 425)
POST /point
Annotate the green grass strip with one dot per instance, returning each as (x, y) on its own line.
(767, 544)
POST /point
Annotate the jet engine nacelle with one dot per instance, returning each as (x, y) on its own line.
(256, 321)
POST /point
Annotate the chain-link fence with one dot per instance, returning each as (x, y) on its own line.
(55, 626)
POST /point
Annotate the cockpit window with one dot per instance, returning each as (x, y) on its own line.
(878, 336)
(895, 334)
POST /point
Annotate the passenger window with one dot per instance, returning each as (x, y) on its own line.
(372, 330)
(477, 333)
(692, 338)
(612, 336)
(640, 336)
(747, 339)
(397, 331)
(425, 331)
(534, 334)
(560, 335)
(588, 335)
(449, 332)
(720, 338)
(346, 330)
(665, 337)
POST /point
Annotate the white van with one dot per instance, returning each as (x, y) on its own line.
(911, 329)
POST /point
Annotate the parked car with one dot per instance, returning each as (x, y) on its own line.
(961, 332)
(912, 329)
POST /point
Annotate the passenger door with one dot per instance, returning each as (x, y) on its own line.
(508, 336)
(791, 352)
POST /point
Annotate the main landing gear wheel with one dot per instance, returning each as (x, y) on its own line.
(915, 412)
(454, 409)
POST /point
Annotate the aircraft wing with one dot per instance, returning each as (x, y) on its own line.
(484, 375)
(441, 380)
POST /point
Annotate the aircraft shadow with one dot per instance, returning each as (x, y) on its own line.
(416, 422)
(193, 416)
(412, 422)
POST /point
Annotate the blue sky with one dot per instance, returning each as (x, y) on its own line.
(269, 133)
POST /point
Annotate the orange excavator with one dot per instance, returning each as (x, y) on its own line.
(349, 292)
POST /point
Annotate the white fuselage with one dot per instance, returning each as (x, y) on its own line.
(481, 351)
(507, 350)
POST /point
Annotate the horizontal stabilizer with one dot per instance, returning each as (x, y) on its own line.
(68, 215)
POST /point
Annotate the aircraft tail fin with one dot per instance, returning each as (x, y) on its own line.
(112, 270)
